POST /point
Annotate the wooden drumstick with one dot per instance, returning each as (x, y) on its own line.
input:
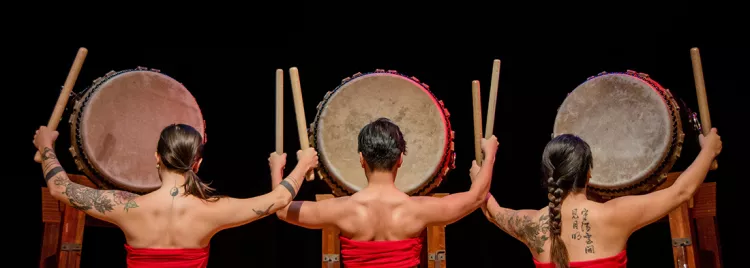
(62, 100)
(700, 90)
(279, 111)
(299, 109)
(477, 101)
(488, 131)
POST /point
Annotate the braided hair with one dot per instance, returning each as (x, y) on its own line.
(566, 162)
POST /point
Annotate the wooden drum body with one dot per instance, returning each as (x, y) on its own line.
(115, 127)
(364, 98)
(633, 126)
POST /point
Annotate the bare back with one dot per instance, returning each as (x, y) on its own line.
(386, 215)
(588, 231)
(591, 230)
(164, 221)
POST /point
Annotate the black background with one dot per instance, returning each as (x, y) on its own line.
(545, 54)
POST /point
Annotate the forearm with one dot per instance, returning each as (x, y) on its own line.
(480, 187)
(687, 183)
(54, 175)
(489, 207)
(291, 188)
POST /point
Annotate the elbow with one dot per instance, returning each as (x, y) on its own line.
(56, 192)
(283, 199)
(684, 194)
(281, 214)
(479, 198)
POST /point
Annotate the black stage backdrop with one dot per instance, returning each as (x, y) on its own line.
(234, 85)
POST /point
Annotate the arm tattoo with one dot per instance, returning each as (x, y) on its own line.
(52, 173)
(263, 212)
(103, 201)
(289, 187)
(85, 198)
(587, 229)
(48, 153)
(125, 197)
(533, 234)
(82, 197)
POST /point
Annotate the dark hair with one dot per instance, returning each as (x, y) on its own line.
(381, 144)
(180, 147)
(566, 162)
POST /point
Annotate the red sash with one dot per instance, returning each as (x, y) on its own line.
(618, 261)
(381, 254)
(167, 258)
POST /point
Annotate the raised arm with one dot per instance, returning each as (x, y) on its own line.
(634, 212)
(527, 225)
(107, 205)
(449, 209)
(232, 212)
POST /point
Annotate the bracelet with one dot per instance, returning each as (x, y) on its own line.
(288, 187)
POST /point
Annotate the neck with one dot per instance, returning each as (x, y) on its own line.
(171, 179)
(381, 179)
(577, 196)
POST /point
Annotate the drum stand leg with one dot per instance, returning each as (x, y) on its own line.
(71, 238)
(331, 244)
(686, 239)
(435, 244)
(50, 246)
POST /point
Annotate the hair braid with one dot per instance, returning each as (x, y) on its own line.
(555, 200)
(558, 250)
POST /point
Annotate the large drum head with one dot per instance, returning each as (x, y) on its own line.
(118, 125)
(632, 126)
(365, 98)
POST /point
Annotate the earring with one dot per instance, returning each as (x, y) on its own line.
(157, 166)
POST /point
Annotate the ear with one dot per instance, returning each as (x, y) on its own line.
(361, 160)
(400, 160)
(158, 159)
(197, 165)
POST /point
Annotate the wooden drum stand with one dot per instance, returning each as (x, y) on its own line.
(63, 229)
(694, 223)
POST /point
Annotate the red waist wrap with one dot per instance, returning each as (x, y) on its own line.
(381, 254)
(167, 258)
(618, 261)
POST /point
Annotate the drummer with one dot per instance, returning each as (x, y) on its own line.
(381, 225)
(173, 225)
(575, 232)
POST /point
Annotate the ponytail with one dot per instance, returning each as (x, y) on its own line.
(558, 250)
(194, 186)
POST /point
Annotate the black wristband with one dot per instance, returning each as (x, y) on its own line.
(288, 187)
